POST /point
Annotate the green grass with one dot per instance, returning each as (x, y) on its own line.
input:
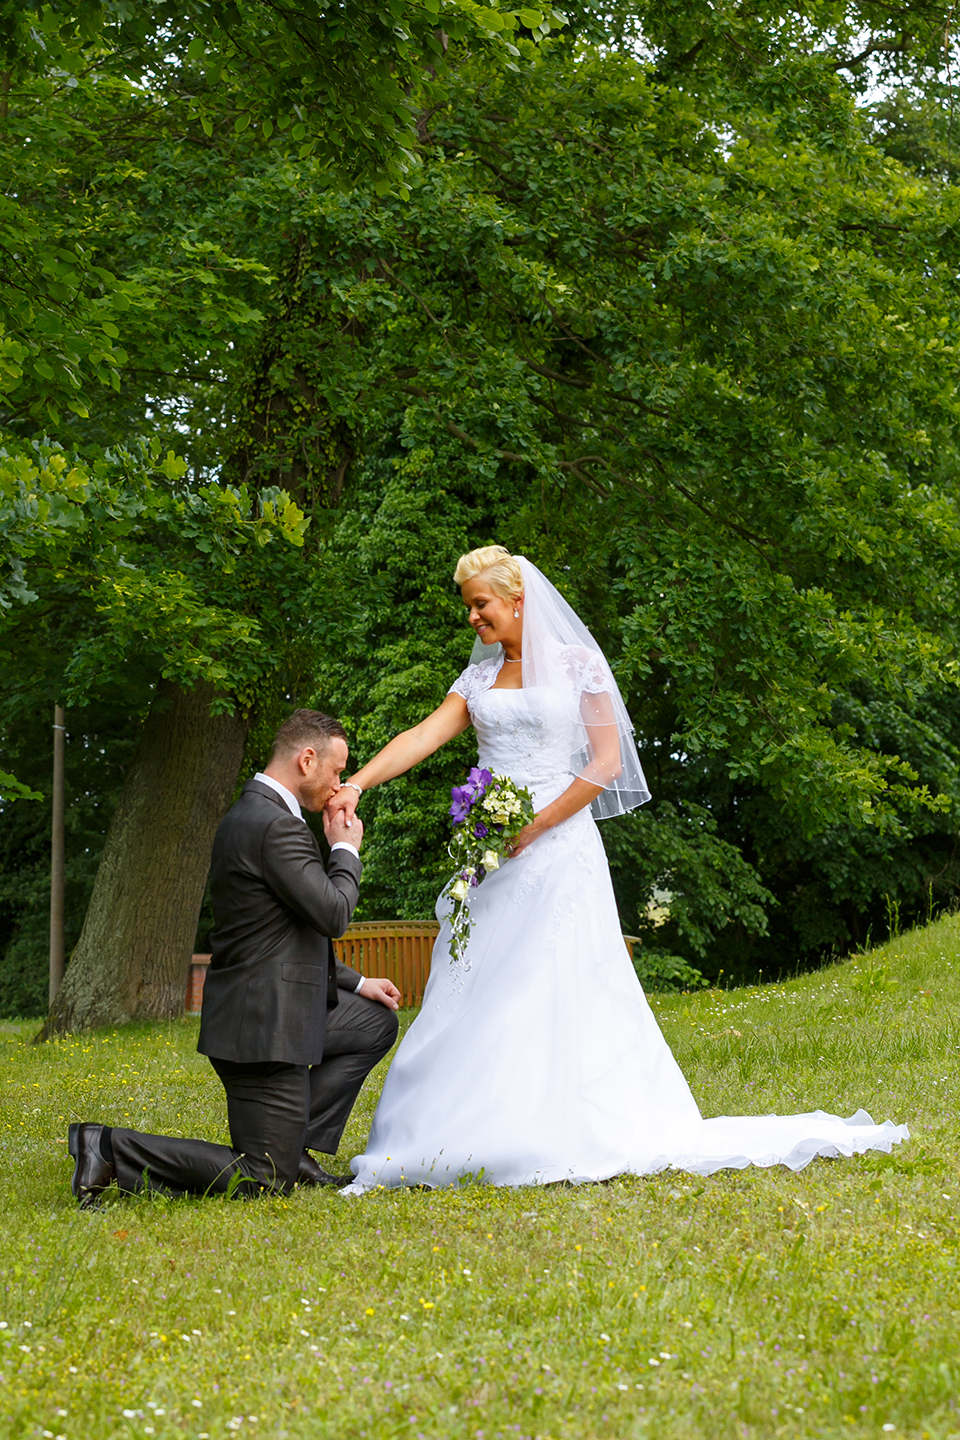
(755, 1303)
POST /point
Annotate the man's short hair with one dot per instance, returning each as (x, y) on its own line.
(305, 727)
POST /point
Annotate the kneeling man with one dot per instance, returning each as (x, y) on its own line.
(291, 1033)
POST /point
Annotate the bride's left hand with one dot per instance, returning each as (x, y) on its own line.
(526, 837)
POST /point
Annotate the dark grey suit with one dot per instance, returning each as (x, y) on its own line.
(275, 1004)
(272, 977)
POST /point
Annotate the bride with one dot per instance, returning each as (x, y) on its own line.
(540, 1060)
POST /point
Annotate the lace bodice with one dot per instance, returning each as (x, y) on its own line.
(528, 734)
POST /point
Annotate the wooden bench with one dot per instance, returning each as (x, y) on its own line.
(399, 950)
(196, 975)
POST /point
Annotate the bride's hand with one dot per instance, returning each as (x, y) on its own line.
(526, 837)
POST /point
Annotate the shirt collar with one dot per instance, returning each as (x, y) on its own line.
(288, 798)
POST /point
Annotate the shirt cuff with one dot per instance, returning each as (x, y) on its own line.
(345, 845)
(359, 987)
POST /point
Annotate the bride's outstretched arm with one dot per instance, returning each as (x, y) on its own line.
(403, 752)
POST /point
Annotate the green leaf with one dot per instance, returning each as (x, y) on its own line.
(13, 789)
(173, 466)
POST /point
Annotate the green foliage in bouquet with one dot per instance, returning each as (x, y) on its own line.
(488, 813)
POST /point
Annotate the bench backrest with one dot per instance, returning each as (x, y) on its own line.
(398, 950)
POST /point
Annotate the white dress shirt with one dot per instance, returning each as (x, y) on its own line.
(293, 805)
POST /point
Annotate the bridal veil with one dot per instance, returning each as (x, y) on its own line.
(559, 653)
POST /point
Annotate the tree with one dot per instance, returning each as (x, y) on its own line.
(408, 518)
(344, 88)
(701, 335)
(189, 596)
(722, 372)
(338, 84)
(712, 338)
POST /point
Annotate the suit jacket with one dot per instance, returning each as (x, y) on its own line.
(272, 975)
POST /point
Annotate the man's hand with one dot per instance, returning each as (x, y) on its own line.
(337, 827)
(343, 802)
(383, 990)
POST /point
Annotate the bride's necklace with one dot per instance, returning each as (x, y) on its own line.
(508, 661)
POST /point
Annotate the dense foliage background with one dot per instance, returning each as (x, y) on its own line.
(668, 303)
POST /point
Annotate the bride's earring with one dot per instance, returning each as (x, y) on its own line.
(516, 614)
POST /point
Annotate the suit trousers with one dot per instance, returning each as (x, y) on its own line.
(359, 1034)
(274, 1111)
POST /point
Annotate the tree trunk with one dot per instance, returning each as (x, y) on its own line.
(131, 959)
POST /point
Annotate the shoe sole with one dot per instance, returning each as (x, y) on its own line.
(338, 1182)
(87, 1198)
(73, 1145)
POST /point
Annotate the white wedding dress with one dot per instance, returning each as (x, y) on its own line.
(543, 1062)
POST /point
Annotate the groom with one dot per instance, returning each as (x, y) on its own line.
(291, 1033)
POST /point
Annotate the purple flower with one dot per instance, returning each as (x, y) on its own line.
(474, 881)
(462, 798)
(480, 830)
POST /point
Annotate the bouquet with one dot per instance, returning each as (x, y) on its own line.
(488, 813)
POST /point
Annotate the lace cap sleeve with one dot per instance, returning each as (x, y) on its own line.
(472, 682)
(589, 670)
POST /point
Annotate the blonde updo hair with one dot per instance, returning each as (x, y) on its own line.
(497, 565)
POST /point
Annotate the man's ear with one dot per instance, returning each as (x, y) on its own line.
(306, 759)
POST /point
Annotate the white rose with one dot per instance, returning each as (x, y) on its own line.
(459, 890)
(491, 860)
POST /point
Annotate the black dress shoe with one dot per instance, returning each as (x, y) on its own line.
(310, 1173)
(91, 1173)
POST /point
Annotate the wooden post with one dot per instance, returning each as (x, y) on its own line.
(57, 857)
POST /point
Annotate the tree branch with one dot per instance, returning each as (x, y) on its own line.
(877, 47)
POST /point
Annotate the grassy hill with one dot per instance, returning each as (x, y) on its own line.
(752, 1304)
